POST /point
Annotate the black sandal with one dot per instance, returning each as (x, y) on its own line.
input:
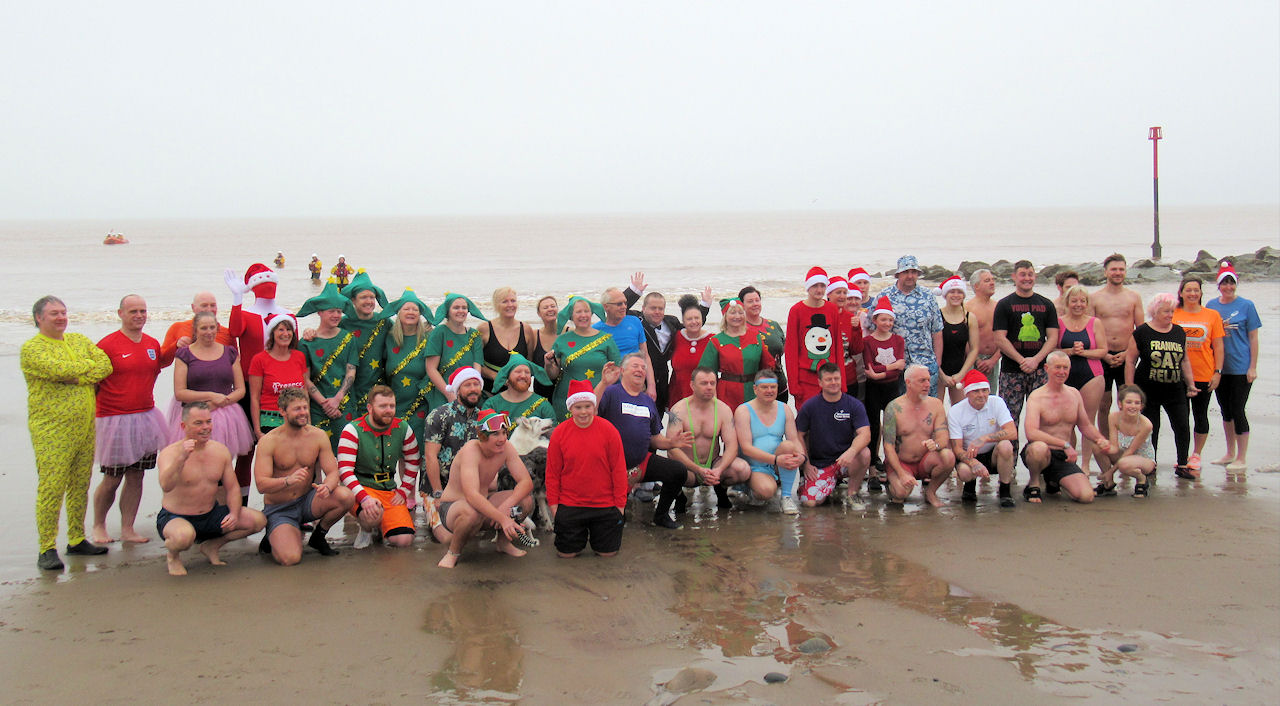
(1102, 489)
(1139, 490)
(1031, 494)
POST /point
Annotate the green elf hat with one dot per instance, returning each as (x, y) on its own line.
(563, 317)
(328, 298)
(390, 310)
(442, 312)
(361, 282)
(515, 361)
(724, 303)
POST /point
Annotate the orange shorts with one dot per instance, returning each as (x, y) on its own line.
(396, 519)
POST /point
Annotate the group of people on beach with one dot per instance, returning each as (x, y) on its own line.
(388, 405)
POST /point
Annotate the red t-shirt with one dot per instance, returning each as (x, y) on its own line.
(586, 467)
(134, 368)
(877, 354)
(277, 375)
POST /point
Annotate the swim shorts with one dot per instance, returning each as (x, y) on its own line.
(396, 519)
(295, 512)
(207, 525)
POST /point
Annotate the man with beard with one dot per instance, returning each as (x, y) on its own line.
(1026, 327)
(917, 318)
(514, 392)
(659, 331)
(448, 428)
(1120, 311)
(1054, 412)
(369, 450)
(285, 472)
(467, 505)
(190, 471)
(331, 363)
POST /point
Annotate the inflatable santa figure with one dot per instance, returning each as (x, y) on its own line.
(249, 322)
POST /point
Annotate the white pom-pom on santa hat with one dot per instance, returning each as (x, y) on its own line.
(259, 273)
(460, 376)
(1227, 270)
(816, 275)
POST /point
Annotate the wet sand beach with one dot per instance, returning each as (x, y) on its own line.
(1170, 600)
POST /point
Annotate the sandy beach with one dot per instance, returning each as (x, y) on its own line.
(1170, 600)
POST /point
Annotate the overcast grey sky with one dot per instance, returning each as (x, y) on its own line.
(313, 109)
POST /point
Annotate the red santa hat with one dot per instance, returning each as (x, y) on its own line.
(975, 380)
(816, 275)
(1227, 270)
(275, 319)
(259, 273)
(855, 293)
(579, 391)
(837, 283)
(883, 306)
(460, 376)
(950, 283)
(857, 275)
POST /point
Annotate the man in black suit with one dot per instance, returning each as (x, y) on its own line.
(660, 329)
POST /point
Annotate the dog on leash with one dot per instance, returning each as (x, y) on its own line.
(530, 437)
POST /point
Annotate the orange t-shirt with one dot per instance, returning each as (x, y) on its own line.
(1203, 328)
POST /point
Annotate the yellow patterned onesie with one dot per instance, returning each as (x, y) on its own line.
(61, 375)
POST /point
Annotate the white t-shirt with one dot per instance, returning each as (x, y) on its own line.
(969, 424)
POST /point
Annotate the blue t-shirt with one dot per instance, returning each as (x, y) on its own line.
(635, 417)
(830, 427)
(1238, 319)
(628, 334)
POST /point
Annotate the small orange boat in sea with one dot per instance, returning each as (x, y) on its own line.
(114, 238)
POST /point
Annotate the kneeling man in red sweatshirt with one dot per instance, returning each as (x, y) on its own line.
(586, 478)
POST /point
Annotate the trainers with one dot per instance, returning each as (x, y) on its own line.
(1194, 462)
(86, 548)
(789, 506)
(873, 484)
(363, 540)
(49, 560)
(663, 520)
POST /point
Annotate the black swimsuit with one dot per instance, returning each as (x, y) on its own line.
(496, 355)
(955, 337)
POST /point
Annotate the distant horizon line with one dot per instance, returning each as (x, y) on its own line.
(629, 214)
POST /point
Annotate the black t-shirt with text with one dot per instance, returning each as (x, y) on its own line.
(1159, 355)
(1027, 319)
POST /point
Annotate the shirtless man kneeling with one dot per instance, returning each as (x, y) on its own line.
(714, 455)
(466, 504)
(189, 473)
(1054, 412)
(285, 472)
(916, 440)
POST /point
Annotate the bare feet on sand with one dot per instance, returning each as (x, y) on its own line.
(931, 495)
(100, 536)
(449, 560)
(505, 546)
(133, 537)
(175, 566)
(211, 553)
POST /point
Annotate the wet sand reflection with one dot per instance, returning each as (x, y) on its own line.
(486, 663)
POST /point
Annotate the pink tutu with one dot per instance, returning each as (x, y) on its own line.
(124, 439)
(230, 427)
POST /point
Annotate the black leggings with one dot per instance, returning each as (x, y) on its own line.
(1172, 397)
(668, 472)
(1200, 409)
(1233, 395)
(878, 396)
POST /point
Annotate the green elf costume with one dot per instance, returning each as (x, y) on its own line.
(406, 365)
(452, 350)
(370, 340)
(534, 405)
(581, 357)
(327, 361)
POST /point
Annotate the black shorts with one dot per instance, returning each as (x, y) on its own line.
(987, 459)
(1058, 467)
(207, 525)
(1113, 375)
(575, 526)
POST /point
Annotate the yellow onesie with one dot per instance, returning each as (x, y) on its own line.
(61, 375)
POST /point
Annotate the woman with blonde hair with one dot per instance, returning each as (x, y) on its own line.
(738, 352)
(503, 335)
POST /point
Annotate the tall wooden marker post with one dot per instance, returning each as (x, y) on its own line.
(1155, 135)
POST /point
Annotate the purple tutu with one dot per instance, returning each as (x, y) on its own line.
(124, 439)
(230, 427)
